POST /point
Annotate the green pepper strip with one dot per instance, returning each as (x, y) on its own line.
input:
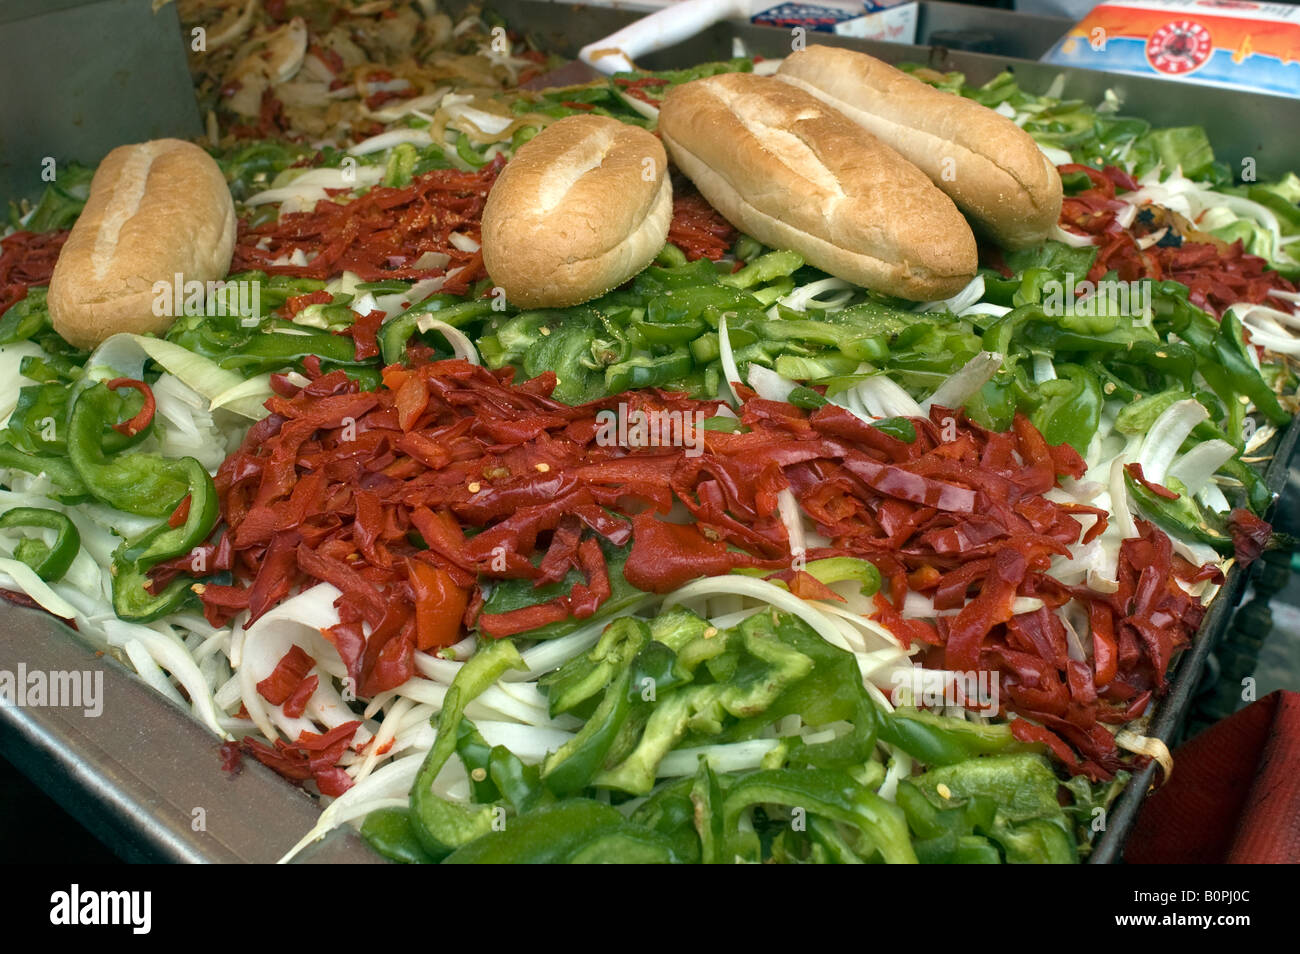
(389, 831)
(764, 269)
(60, 471)
(643, 372)
(826, 792)
(576, 830)
(939, 740)
(1181, 516)
(135, 558)
(441, 826)
(465, 150)
(1225, 364)
(1230, 348)
(144, 484)
(395, 333)
(272, 350)
(707, 800)
(670, 256)
(702, 707)
(1137, 417)
(49, 562)
(1072, 409)
(571, 767)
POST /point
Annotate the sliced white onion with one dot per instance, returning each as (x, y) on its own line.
(879, 396)
(1198, 465)
(487, 123)
(392, 781)
(459, 341)
(26, 580)
(1072, 239)
(387, 140)
(463, 242)
(1121, 515)
(247, 398)
(11, 381)
(311, 185)
(986, 308)
(788, 507)
(1058, 157)
(1212, 497)
(959, 302)
(1167, 435)
(300, 620)
(965, 384)
(728, 358)
(805, 296)
(430, 260)
(732, 757)
(1149, 746)
(768, 384)
(170, 653)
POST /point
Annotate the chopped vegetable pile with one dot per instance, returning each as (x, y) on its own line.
(738, 562)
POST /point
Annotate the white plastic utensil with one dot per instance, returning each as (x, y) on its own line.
(660, 30)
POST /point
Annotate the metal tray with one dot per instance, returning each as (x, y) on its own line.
(136, 775)
(101, 73)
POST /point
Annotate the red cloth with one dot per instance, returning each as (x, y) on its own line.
(1234, 796)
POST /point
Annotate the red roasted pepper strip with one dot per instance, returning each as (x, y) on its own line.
(296, 704)
(297, 303)
(667, 556)
(499, 625)
(1250, 535)
(289, 672)
(180, 514)
(1135, 471)
(439, 605)
(1105, 650)
(991, 607)
(144, 417)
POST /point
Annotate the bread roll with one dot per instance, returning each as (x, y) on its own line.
(581, 208)
(991, 168)
(793, 173)
(156, 210)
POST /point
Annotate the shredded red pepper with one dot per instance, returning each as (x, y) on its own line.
(696, 227)
(1216, 273)
(26, 260)
(297, 303)
(312, 757)
(1250, 535)
(287, 676)
(144, 417)
(232, 757)
(410, 498)
(180, 514)
(1160, 490)
(380, 235)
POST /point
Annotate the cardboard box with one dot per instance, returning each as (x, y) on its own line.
(892, 22)
(1230, 43)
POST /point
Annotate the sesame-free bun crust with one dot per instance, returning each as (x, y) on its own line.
(990, 167)
(785, 168)
(581, 208)
(155, 210)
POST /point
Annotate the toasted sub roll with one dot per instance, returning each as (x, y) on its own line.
(156, 210)
(990, 167)
(581, 208)
(793, 173)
